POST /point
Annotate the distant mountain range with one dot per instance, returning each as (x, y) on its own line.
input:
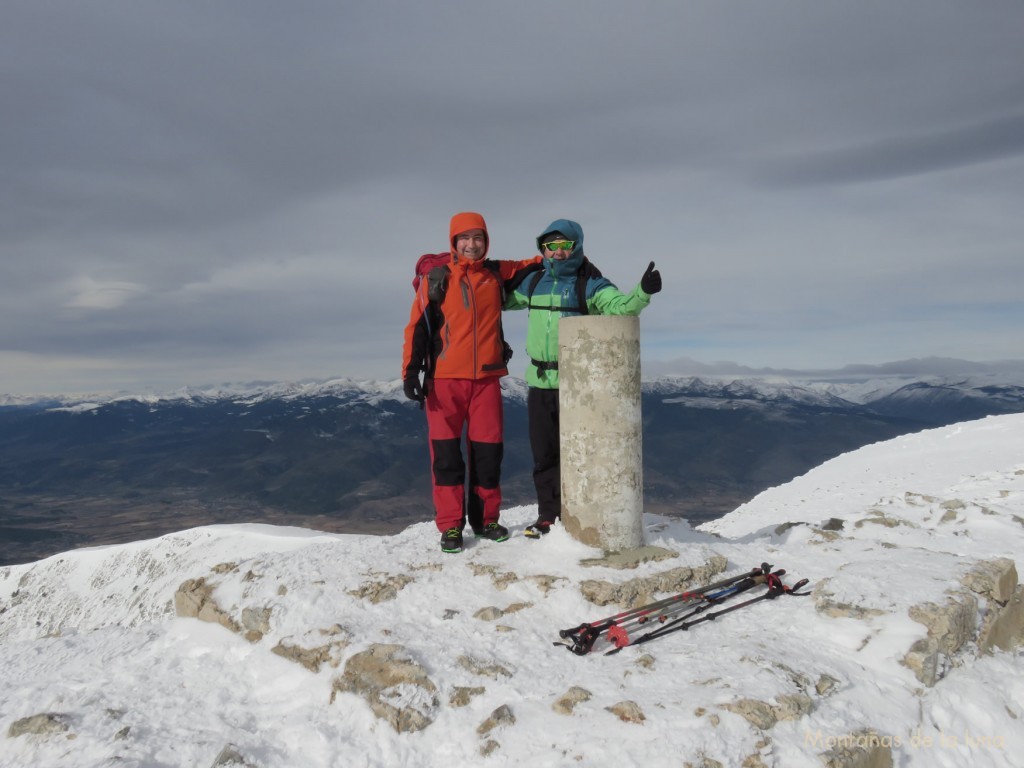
(351, 456)
(914, 367)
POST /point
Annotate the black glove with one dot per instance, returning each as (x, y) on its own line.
(651, 281)
(413, 390)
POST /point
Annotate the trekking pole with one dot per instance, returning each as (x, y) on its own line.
(619, 634)
(775, 589)
(583, 636)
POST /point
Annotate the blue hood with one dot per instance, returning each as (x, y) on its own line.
(572, 231)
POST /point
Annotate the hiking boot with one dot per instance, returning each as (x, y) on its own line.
(538, 529)
(494, 532)
(451, 540)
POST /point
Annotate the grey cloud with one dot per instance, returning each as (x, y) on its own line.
(929, 151)
(248, 185)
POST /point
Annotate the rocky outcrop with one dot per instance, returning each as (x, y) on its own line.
(231, 757)
(987, 612)
(194, 599)
(462, 695)
(762, 715)
(566, 703)
(950, 626)
(394, 684)
(643, 589)
(492, 612)
(382, 590)
(864, 749)
(1003, 628)
(483, 669)
(627, 712)
(983, 613)
(1002, 625)
(502, 716)
(312, 654)
(991, 592)
(43, 724)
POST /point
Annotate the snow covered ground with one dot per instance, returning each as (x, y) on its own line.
(892, 657)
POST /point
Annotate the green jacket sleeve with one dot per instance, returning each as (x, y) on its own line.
(611, 301)
(516, 300)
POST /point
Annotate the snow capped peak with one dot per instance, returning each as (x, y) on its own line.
(848, 389)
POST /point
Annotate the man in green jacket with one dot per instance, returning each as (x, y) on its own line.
(567, 285)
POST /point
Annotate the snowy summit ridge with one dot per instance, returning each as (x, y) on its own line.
(264, 646)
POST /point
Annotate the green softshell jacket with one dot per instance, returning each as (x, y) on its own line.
(554, 296)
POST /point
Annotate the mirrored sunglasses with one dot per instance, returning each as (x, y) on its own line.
(560, 245)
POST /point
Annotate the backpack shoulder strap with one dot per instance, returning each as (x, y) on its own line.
(531, 283)
(583, 275)
(586, 271)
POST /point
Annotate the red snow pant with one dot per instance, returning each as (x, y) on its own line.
(454, 404)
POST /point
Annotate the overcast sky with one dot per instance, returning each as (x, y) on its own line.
(196, 192)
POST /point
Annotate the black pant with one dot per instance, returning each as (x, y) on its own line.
(542, 411)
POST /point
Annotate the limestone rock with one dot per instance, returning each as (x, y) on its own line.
(546, 583)
(642, 590)
(952, 624)
(791, 706)
(923, 660)
(502, 716)
(864, 749)
(461, 695)
(395, 686)
(44, 724)
(885, 522)
(493, 613)
(627, 712)
(993, 579)
(230, 757)
(826, 685)
(1003, 627)
(646, 661)
(483, 669)
(500, 579)
(194, 599)
(256, 623)
(565, 703)
(705, 762)
(311, 656)
(762, 715)
(758, 713)
(516, 608)
(490, 613)
(383, 590)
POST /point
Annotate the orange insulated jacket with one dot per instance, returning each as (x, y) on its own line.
(459, 337)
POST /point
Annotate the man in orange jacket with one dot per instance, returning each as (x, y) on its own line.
(454, 338)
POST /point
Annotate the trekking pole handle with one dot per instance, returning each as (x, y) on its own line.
(573, 631)
(793, 590)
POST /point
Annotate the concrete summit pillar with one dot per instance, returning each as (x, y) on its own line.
(600, 430)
